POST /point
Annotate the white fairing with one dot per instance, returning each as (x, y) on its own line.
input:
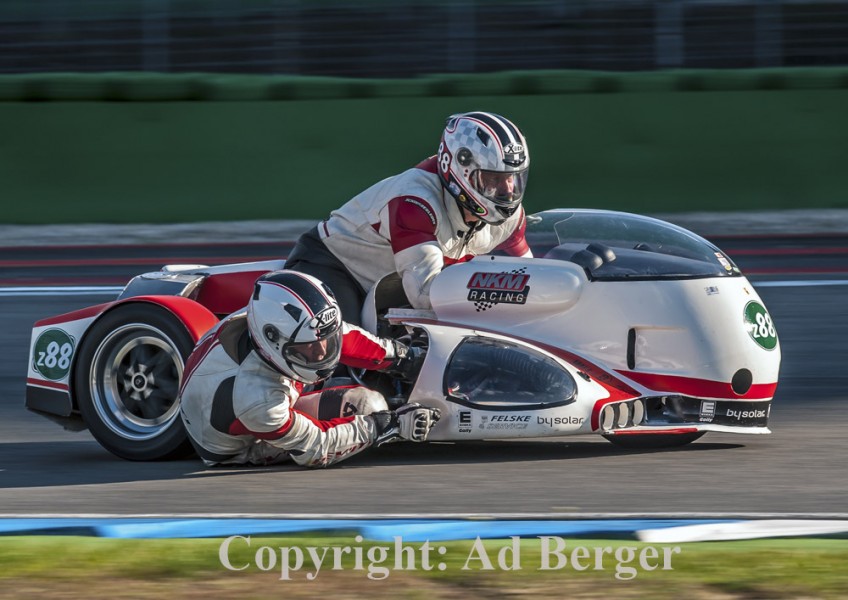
(690, 327)
(650, 354)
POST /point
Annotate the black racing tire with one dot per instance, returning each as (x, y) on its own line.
(127, 377)
(653, 441)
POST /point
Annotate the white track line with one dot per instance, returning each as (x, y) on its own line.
(745, 530)
(61, 291)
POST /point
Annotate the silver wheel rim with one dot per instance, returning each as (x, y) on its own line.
(134, 380)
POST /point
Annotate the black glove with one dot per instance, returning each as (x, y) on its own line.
(411, 422)
(407, 361)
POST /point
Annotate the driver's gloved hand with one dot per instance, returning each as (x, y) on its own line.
(411, 422)
(407, 361)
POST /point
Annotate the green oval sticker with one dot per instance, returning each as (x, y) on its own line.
(52, 354)
(760, 326)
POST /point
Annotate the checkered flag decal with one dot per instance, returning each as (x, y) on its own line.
(488, 155)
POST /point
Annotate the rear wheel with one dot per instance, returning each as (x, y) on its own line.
(652, 441)
(127, 379)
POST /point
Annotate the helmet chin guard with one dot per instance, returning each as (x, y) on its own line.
(483, 162)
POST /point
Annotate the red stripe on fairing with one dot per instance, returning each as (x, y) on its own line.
(47, 384)
(360, 351)
(195, 317)
(617, 389)
(700, 388)
(409, 223)
(83, 313)
(431, 165)
(225, 293)
(670, 431)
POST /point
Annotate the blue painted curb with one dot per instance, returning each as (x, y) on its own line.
(373, 529)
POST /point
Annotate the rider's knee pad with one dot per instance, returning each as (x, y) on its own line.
(342, 401)
(362, 401)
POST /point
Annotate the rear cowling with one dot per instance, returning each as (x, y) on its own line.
(50, 385)
(223, 289)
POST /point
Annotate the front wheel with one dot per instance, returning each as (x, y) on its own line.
(127, 379)
(653, 441)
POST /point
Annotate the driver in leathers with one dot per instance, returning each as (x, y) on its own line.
(461, 203)
(243, 399)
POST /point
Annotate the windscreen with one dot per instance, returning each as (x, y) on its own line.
(615, 245)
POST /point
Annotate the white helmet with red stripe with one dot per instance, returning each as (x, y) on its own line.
(295, 325)
(483, 163)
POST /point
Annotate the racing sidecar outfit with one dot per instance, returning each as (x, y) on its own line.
(237, 409)
(406, 224)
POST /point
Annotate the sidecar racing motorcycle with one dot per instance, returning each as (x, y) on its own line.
(627, 327)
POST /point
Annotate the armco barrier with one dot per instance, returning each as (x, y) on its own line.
(154, 147)
(374, 529)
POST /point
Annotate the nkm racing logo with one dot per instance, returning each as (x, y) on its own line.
(488, 289)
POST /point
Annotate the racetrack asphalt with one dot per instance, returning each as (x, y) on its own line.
(798, 469)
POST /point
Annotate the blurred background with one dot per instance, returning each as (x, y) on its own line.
(180, 110)
(403, 38)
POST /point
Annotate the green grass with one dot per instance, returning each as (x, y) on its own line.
(780, 568)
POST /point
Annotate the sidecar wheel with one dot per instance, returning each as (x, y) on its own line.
(653, 441)
(127, 379)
